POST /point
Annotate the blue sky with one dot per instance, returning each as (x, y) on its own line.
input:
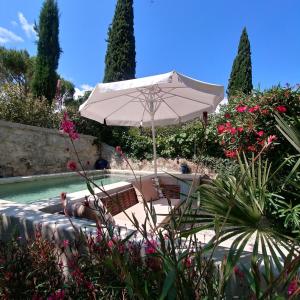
(195, 37)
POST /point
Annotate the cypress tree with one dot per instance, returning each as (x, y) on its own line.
(241, 73)
(120, 55)
(48, 51)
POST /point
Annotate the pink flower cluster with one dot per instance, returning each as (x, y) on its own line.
(227, 127)
(58, 295)
(67, 126)
(151, 246)
(293, 287)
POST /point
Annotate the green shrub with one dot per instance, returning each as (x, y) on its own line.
(16, 107)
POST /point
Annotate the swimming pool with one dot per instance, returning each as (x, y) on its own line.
(42, 189)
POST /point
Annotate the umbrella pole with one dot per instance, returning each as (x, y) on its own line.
(154, 144)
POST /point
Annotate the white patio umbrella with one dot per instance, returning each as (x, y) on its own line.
(159, 100)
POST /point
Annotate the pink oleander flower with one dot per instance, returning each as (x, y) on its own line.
(240, 129)
(66, 243)
(119, 150)
(281, 108)
(58, 295)
(293, 286)
(260, 133)
(71, 165)
(233, 130)
(228, 125)
(254, 109)
(271, 139)
(68, 127)
(251, 148)
(227, 116)
(151, 247)
(230, 153)
(110, 243)
(188, 262)
(221, 128)
(241, 108)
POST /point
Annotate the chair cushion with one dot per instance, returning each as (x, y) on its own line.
(145, 187)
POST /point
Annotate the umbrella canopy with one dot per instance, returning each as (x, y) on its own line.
(159, 100)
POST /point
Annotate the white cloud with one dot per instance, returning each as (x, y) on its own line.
(79, 92)
(86, 87)
(26, 26)
(7, 36)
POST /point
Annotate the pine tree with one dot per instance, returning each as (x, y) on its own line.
(241, 73)
(48, 51)
(120, 55)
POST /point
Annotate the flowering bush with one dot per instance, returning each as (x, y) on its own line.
(247, 123)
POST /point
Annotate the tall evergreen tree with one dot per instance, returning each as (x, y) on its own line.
(48, 51)
(241, 73)
(120, 55)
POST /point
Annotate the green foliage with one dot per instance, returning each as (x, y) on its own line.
(120, 56)
(236, 208)
(29, 269)
(67, 91)
(16, 107)
(241, 74)
(15, 67)
(222, 166)
(185, 141)
(48, 52)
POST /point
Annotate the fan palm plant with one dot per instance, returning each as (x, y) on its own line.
(236, 208)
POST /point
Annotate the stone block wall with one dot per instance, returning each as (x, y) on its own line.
(30, 150)
(163, 164)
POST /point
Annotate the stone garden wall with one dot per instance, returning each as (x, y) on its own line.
(167, 165)
(29, 150)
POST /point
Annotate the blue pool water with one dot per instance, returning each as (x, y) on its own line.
(32, 191)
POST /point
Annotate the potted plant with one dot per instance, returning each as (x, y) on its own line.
(184, 168)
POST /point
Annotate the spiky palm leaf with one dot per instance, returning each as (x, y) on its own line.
(239, 205)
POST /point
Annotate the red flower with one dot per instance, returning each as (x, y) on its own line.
(230, 153)
(228, 125)
(232, 140)
(262, 142)
(251, 148)
(293, 286)
(233, 130)
(151, 247)
(254, 109)
(281, 108)
(271, 139)
(71, 165)
(58, 295)
(66, 243)
(241, 108)
(265, 112)
(67, 126)
(240, 129)
(227, 116)
(260, 133)
(221, 128)
(119, 150)
(110, 244)
(188, 262)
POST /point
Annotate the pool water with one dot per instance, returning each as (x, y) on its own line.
(32, 191)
